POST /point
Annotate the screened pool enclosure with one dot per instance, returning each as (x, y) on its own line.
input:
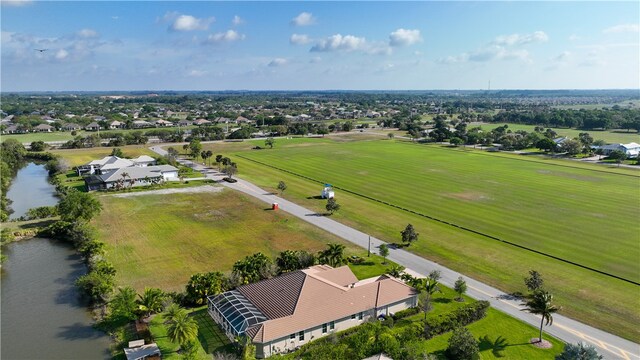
(234, 312)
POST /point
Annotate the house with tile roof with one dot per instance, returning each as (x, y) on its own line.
(285, 312)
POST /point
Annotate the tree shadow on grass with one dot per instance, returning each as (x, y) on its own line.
(441, 300)
(317, 197)
(497, 347)
(317, 214)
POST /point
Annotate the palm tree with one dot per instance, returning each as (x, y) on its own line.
(540, 304)
(336, 254)
(171, 312)
(182, 329)
(150, 301)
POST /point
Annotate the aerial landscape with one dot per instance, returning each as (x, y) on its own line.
(319, 180)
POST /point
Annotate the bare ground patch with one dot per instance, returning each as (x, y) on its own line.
(469, 196)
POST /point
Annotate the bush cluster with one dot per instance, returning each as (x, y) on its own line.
(460, 317)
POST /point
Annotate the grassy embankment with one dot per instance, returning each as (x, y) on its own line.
(583, 213)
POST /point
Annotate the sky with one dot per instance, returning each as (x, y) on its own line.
(204, 45)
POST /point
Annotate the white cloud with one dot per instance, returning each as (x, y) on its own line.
(197, 73)
(225, 37)
(303, 19)
(62, 54)
(350, 43)
(187, 22)
(278, 62)
(237, 20)
(87, 33)
(518, 39)
(340, 43)
(574, 37)
(315, 60)
(404, 37)
(299, 39)
(16, 2)
(488, 53)
(624, 28)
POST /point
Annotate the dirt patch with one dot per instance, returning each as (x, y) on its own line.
(211, 214)
(570, 176)
(544, 344)
(469, 196)
(195, 189)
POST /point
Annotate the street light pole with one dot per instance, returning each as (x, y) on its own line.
(369, 248)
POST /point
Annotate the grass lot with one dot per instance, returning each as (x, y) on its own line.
(609, 136)
(160, 241)
(515, 333)
(532, 202)
(82, 156)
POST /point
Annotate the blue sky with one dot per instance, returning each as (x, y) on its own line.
(165, 45)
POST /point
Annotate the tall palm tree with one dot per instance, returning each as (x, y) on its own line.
(541, 304)
(172, 311)
(150, 301)
(336, 254)
(182, 329)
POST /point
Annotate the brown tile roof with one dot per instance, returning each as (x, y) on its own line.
(275, 297)
(321, 300)
(342, 276)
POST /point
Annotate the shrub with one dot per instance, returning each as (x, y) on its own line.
(460, 317)
(580, 351)
(405, 313)
(462, 345)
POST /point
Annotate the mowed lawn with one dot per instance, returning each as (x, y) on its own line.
(584, 215)
(82, 156)
(161, 240)
(553, 209)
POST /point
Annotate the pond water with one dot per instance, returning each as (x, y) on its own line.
(30, 189)
(42, 315)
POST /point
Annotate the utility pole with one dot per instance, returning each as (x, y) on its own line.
(369, 248)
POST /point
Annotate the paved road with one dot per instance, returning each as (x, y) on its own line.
(568, 330)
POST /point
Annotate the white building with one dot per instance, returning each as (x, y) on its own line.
(631, 149)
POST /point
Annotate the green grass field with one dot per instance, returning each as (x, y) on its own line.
(585, 213)
(160, 241)
(609, 136)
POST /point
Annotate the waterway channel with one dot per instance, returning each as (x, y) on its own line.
(42, 315)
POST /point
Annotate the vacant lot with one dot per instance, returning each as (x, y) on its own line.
(584, 213)
(161, 240)
(82, 156)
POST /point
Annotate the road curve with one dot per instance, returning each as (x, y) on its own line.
(564, 328)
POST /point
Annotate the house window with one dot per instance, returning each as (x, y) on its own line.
(332, 325)
(324, 328)
(353, 316)
(301, 336)
(292, 336)
(360, 315)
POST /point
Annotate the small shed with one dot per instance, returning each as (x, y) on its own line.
(327, 192)
(138, 351)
